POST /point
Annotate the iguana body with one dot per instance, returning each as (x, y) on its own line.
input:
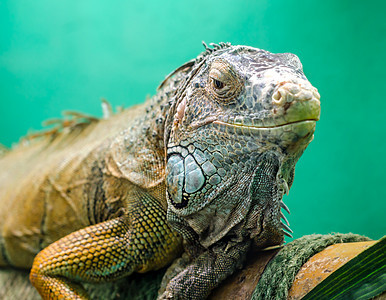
(207, 159)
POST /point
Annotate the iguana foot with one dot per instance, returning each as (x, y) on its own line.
(204, 273)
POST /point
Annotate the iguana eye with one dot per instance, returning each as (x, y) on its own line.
(217, 84)
(224, 85)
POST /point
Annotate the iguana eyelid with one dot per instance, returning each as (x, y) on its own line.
(222, 72)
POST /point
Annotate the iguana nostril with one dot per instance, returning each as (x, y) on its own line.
(277, 97)
(281, 96)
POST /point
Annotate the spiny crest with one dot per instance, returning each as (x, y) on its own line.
(208, 50)
(71, 120)
(67, 124)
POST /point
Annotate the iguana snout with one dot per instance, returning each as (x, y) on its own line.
(287, 92)
(296, 101)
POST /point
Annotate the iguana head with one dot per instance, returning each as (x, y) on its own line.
(237, 126)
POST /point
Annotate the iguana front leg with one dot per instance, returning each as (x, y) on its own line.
(205, 272)
(136, 242)
(92, 254)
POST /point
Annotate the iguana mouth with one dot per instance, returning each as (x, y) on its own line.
(264, 127)
(242, 127)
(289, 131)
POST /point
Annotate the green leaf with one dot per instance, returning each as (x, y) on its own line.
(363, 277)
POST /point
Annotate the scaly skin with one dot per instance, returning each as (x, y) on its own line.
(208, 159)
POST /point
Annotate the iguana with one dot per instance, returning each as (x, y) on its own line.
(200, 167)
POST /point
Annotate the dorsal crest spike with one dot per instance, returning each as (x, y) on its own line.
(208, 50)
(215, 46)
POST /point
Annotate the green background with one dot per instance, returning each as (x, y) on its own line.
(60, 55)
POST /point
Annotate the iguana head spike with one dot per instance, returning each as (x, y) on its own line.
(205, 45)
(208, 50)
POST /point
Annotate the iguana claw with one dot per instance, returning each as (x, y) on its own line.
(285, 207)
